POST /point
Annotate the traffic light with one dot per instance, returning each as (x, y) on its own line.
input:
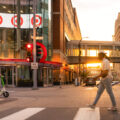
(38, 52)
(29, 46)
(29, 52)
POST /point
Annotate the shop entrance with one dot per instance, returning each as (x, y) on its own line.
(47, 77)
(9, 75)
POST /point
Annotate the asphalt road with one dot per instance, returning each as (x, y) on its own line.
(58, 114)
(66, 103)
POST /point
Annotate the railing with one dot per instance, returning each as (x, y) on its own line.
(87, 59)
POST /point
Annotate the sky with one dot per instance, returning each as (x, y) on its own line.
(97, 18)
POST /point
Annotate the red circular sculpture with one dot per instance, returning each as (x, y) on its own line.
(44, 51)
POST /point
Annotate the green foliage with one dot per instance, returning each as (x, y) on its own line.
(84, 74)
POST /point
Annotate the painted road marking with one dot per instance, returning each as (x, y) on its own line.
(11, 91)
(23, 114)
(87, 114)
(1, 99)
(89, 88)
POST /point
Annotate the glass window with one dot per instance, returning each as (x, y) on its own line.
(12, 38)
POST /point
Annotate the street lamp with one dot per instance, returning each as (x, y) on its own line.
(80, 56)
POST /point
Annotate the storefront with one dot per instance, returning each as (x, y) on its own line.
(9, 74)
(16, 30)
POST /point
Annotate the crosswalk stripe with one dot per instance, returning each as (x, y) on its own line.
(23, 114)
(1, 99)
(87, 114)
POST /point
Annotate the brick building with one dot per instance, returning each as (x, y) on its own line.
(65, 28)
(117, 39)
(117, 29)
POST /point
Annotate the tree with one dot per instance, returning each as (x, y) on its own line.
(84, 74)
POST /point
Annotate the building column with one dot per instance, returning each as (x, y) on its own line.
(69, 52)
(0, 78)
(47, 76)
(85, 50)
(99, 47)
(41, 71)
(6, 76)
(16, 75)
(73, 51)
(52, 76)
(113, 51)
(5, 47)
(13, 79)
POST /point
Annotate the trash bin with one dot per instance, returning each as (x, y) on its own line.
(76, 82)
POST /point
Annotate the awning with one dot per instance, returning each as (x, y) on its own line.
(56, 64)
(25, 62)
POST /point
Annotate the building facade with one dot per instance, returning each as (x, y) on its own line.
(117, 38)
(65, 28)
(117, 29)
(16, 30)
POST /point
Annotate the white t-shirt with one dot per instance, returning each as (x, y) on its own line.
(106, 66)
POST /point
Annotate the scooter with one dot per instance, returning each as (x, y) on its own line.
(3, 91)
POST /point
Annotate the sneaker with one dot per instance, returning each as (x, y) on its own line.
(112, 109)
(91, 106)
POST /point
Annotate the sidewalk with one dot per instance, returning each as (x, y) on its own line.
(39, 88)
(68, 96)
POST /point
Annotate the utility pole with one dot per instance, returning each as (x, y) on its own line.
(34, 46)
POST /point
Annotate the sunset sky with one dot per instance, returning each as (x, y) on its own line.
(97, 18)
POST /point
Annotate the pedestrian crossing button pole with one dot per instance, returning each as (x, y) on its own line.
(34, 48)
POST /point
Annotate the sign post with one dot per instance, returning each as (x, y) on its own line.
(38, 37)
(34, 46)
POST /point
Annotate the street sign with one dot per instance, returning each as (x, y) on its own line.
(26, 20)
(38, 37)
(34, 65)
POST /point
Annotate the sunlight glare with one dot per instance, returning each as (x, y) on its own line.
(94, 65)
(92, 53)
